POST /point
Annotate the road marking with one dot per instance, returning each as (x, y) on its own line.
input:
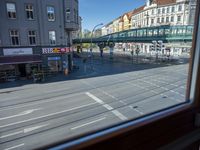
(34, 128)
(47, 115)
(24, 131)
(15, 146)
(11, 134)
(47, 100)
(21, 114)
(108, 107)
(120, 115)
(85, 124)
(115, 112)
(95, 98)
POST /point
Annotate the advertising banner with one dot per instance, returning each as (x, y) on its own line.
(56, 50)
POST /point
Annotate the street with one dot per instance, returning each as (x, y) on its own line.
(34, 115)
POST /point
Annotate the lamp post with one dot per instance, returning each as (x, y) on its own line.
(91, 40)
(92, 34)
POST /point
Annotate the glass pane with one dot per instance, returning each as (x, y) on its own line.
(93, 67)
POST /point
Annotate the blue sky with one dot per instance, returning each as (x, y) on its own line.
(103, 11)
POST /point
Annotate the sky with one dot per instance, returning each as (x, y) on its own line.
(94, 12)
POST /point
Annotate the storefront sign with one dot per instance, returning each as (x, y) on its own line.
(55, 50)
(53, 58)
(17, 51)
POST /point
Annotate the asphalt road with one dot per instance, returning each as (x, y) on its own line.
(35, 115)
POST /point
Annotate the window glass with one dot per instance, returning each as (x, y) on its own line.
(172, 18)
(180, 8)
(11, 10)
(29, 12)
(173, 9)
(32, 37)
(51, 13)
(14, 35)
(52, 37)
(68, 69)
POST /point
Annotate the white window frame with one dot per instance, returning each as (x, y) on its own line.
(32, 37)
(29, 11)
(14, 41)
(52, 37)
(11, 12)
(51, 13)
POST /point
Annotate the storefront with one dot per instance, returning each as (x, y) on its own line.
(18, 63)
(57, 59)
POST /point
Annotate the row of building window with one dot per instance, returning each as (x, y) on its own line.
(15, 41)
(11, 11)
(159, 11)
(167, 20)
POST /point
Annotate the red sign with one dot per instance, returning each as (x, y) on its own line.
(56, 50)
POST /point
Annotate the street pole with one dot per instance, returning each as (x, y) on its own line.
(91, 41)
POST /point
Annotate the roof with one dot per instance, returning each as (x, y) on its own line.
(137, 10)
(165, 2)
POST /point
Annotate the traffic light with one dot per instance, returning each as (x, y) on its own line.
(160, 47)
(152, 47)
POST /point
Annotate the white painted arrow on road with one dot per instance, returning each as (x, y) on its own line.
(24, 131)
(21, 114)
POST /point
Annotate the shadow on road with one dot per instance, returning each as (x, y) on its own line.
(95, 67)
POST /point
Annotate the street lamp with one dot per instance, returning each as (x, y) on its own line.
(92, 34)
(91, 40)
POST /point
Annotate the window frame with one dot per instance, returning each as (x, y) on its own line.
(54, 13)
(10, 36)
(185, 113)
(49, 37)
(29, 11)
(8, 11)
(32, 36)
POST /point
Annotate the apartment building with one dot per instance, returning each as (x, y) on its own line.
(36, 34)
(157, 13)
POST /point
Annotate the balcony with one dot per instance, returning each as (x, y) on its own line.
(70, 25)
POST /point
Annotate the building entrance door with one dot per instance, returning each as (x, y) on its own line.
(22, 70)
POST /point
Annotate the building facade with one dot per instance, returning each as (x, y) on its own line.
(36, 34)
(157, 13)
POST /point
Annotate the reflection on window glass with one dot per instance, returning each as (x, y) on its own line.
(11, 10)
(51, 13)
(66, 69)
(52, 37)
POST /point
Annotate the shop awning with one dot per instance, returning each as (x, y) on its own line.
(20, 59)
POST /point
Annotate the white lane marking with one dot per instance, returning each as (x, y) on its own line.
(95, 98)
(47, 115)
(120, 115)
(11, 134)
(23, 131)
(34, 128)
(43, 101)
(21, 114)
(115, 112)
(16, 146)
(108, 107)
(88, 123)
